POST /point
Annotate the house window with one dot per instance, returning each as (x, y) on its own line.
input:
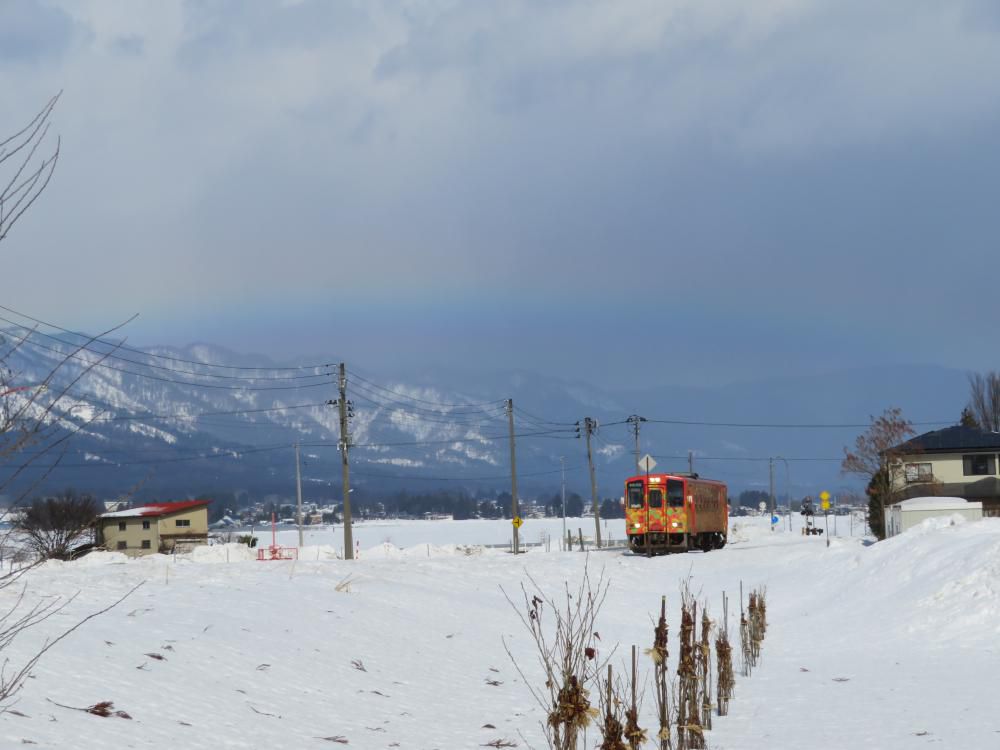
(122, 545)
(146, 544)
(145, 524)
(183, 522)
(919, 472)
(121, 526)
(979, 464)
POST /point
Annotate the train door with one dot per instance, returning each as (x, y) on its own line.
(656, 521)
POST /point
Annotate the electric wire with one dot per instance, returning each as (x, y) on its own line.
(147, 376)
(111, 355)
(353, 372)
(163, 357)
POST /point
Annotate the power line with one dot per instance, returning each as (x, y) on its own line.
(742, 458)
(110, 355)
(356, 376)
(460, 479)
(163, 357)
(694, 423)
(147, 376)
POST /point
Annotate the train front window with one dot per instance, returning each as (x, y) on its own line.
(655, 497)
(675, 493)
(635, 495)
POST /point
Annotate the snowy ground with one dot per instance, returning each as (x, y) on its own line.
(891, 645)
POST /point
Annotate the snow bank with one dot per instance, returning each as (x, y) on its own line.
(221, 553)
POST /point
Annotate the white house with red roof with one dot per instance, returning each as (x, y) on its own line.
(158, 527)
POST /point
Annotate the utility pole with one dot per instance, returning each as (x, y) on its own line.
(513, 475)
(690, 462)
(298, 491)
(589, 425)
(770, 476)
(635, 420)
(562, 463)
(345, 444)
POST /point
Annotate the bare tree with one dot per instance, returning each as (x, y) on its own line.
(26, 166)
(53, 526)
(876, 457)
(31, 413)
(984, 399)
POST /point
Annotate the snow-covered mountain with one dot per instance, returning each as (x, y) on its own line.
(202, 418)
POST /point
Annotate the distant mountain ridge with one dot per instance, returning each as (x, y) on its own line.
(441, 429)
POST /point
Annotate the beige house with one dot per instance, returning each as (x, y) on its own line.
(159, 527)
(956, 461)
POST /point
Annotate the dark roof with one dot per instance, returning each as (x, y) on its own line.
(950, 440)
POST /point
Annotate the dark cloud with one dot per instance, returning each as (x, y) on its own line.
(33, 31)
(766, 186)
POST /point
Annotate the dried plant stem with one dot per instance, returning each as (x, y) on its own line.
(725, 682)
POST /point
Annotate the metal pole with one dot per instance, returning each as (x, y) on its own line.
(562, 462)
(690, 462)
(513, 476)
(298, 491)
(345, 474)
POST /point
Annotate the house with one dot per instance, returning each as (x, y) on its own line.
(158, 527)
(954, 461)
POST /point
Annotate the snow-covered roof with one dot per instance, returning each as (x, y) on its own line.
(937, 503)
(156, 509)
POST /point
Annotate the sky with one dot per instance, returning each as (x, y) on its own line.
(631, 191)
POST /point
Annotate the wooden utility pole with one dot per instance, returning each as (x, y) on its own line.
(345, 444)
(635, 420)
(562, 464)
(298, 491)
(589, 425)
(513, 476)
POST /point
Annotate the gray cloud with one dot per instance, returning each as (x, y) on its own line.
(32, 31)
(777, 182)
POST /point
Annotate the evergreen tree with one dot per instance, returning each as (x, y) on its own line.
(968, 419)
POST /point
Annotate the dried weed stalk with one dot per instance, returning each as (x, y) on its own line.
(659, 654)
(746, 641)
(567, 653)
(704, 663)
(690, 735)
(725, 682)
(634, 734)
(612, 729)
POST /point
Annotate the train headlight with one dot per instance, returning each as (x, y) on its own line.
(635, 526)
(674, 524)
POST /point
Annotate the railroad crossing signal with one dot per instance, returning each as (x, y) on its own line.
(646, 463)
(516, 520)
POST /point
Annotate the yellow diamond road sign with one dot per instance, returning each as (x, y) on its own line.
(516, 520)
(824, 497)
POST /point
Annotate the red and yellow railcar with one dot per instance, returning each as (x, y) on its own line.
(675, 513)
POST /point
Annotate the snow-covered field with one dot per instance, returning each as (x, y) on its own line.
(892, 645)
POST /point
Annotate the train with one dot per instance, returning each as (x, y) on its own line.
(675, 513)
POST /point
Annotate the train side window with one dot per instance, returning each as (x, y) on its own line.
(675, 493)
(655, 498)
